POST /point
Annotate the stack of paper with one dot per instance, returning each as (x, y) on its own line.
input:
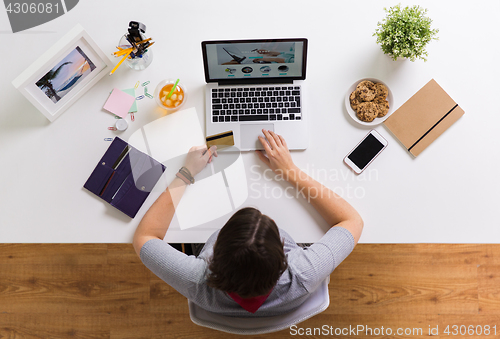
(220, 188)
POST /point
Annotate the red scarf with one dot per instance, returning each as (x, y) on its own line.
(250, 304)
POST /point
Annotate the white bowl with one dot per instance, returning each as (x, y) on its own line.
(352, 113)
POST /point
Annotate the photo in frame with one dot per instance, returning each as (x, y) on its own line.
(60, 76)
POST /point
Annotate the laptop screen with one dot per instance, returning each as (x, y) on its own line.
(254, 60)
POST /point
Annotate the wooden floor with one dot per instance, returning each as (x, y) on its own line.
(104, 291)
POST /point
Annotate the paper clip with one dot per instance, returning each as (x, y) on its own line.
(137, 84)
(145, 83)
(117, 117)
(140, 97)
(132, 117)
(145, 90)
(148, 95)
(108, 139)
(112, 128)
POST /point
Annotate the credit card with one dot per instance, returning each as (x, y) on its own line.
(221, 140)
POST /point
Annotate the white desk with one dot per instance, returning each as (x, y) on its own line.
(448, 194)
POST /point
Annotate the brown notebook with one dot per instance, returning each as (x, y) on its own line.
(424, 117)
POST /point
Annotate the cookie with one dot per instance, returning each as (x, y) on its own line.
(366, 91)
(365, 83)
(381, 90)
(382, 105)
(367, 111)
(354, 100)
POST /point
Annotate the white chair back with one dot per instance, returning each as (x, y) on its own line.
(316, 303)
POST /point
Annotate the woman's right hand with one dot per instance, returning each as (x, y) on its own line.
(277, 156)
(198, 157)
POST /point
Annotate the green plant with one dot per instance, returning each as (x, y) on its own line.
(405, 32)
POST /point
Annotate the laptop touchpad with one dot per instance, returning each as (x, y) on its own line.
(249, 135)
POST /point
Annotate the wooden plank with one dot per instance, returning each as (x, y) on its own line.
(103, 291)
(180, 326)
(165, 299)
(73, 289)
(52, 288)
(489, 289)
(364, 326)
(469, 326)
(54, 326)
(415, 254)
(131, 325)
(423, 289)
(53, 254)
(490, 254)
(129, 288)
(122, 254)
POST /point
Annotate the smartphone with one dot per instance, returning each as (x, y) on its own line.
(365, 151)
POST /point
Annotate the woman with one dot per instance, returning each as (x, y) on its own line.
(249, 267)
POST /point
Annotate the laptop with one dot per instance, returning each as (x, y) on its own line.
(254, 85)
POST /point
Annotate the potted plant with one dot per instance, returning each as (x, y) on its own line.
(405, 32)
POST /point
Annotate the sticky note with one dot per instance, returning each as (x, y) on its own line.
(119, 103)
(131, 91)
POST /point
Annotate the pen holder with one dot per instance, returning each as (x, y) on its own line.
(137, 63)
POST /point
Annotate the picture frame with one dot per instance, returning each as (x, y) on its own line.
(60, 76)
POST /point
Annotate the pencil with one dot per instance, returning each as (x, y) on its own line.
(121, 61)
(123, 51)
(143, 41)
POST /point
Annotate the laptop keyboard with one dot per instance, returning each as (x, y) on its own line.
(263, 103)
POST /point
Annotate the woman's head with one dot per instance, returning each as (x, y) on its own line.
(248, 255)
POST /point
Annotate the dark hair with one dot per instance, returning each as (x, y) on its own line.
(248, 255)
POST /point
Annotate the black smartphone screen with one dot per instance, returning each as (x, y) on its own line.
(365, 151)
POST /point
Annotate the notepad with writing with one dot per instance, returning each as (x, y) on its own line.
(424, 117)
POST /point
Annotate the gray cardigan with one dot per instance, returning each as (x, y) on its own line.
(307, 268)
